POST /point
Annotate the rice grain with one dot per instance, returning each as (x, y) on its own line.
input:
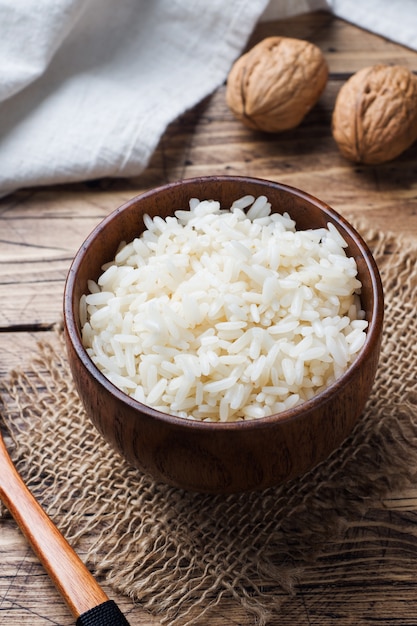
(225, 314)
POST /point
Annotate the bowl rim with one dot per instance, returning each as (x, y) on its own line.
(373, 333)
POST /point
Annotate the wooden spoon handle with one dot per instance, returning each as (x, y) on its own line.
(84, 596)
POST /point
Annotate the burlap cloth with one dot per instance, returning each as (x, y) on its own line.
(183, 555)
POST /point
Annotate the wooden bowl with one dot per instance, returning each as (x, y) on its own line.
(221, 457)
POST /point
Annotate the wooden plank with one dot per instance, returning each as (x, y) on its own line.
(41, 229)
(28, 597)
(36, 264)
(17, 349)
(347, 47)
(27, 594)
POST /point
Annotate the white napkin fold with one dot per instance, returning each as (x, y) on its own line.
(87, 87)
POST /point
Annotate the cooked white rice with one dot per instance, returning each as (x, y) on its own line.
(225, 314)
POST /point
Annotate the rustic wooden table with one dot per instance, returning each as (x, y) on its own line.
(40, 230)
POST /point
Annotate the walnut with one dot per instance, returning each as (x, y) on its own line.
(274, 85)
(375, 114)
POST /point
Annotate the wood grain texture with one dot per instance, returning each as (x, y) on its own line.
(66, 570)
(40, 230)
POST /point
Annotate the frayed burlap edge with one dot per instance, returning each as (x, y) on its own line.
(179, 554)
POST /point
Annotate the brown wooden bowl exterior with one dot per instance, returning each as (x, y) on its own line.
(232, 457)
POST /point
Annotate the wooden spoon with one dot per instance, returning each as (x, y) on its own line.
(85, 598)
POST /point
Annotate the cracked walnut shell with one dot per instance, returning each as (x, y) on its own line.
(274, 85)
(375, 114)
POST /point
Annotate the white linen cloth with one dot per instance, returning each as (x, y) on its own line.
(87, 87)
(393, 19)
